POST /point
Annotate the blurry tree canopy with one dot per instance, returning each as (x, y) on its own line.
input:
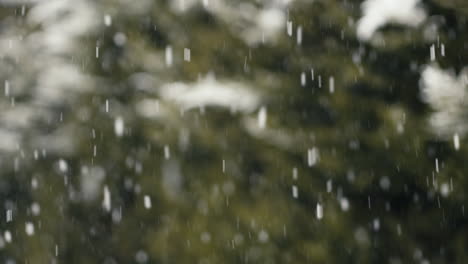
(247, 131)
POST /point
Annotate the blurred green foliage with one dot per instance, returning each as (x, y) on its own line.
(375, 149)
